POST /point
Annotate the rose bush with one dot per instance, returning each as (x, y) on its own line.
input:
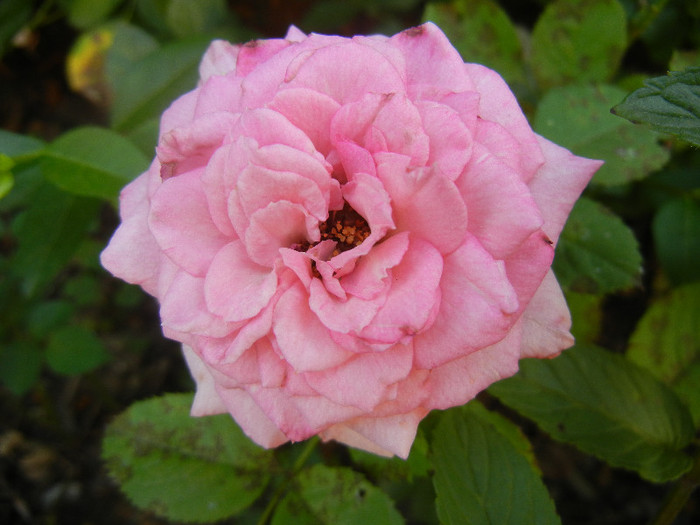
(348, 233)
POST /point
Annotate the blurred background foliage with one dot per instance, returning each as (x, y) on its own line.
(82, 84)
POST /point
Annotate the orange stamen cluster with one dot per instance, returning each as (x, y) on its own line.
(346, 227)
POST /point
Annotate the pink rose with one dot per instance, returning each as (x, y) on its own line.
(348, 233)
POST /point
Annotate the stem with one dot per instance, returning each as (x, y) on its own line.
(641, 22)
(281, 489)
(678, 496)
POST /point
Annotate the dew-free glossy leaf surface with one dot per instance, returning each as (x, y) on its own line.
(94, 162)
(183, 468)
(597, 253)
(666, 342)
(606, 406)
(578, 118)
(482, 478)
(670, 104)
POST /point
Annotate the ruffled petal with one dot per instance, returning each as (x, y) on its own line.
(558, 183)
(235, 288)
(182, 225)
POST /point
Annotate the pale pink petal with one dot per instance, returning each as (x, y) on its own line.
(498, 104)
(219, 59)
(189, 147)
(258, 186)
(460, 380)
(279, 225)
(369, 278)
(450, 139)
(183, 309)
(182, 225)
(425, 202)
(236, 288)
(344, 316)
(341, 72)
(386, 436)
(179, 113)
(528, 265)
(220, 93)
(502, 211)
(303, 340)
(310, 111)
(206, 400)
(477, 307)
(413, 296)
(132, 253)
(253, 53)
(252, 420)
(362, 381)
(431, 59)
(558, 183)
(546, 321)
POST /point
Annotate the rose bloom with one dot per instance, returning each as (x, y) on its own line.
(346, 233)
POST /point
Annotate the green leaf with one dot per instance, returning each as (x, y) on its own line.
(606, 406)
(676, 229)
(6, 178)
(74, 350)
(482, 32)
(129, 44)
(88, 13)
(666, 342)
(48, 316)
(578, 118)
(597, 253)
(187, 18)
(586, 313)
(669, 104)
(49, 232)
(184, 468)
(93, 162)
(150, 85)
(15, 145)
(20, 366)
(578, 41)
(340, 496)
(481, 478)
(292, 509)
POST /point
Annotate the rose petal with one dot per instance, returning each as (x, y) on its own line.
(477, 307)
(498, 104)
(413, 296)
(546, 321)
(182, 225)
(235, 288)
(206, 400)
(558, 183)
(425, 203)
(303, 340)
(219, 59)
(502, 211)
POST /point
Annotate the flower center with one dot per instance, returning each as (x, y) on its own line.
(346, 227)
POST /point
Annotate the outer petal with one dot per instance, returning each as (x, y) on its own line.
(476, 310)
(558, 183)
(219, 59)
(498, 104)
(181, 223)
(546, 321)
(385, 436)
(132, 254)
(502, 211)
(206, 401)
(459, 381)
